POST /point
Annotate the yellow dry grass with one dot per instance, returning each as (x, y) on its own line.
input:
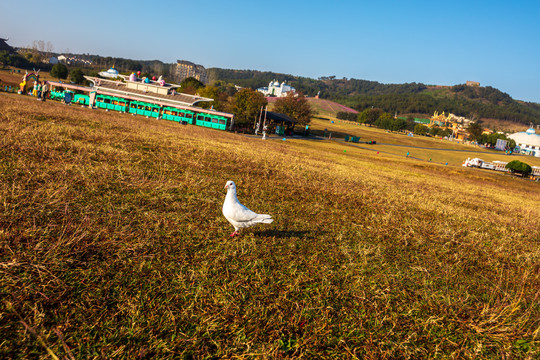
(113, 245)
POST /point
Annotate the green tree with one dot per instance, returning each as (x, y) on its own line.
(59, 71)
(369, 116)
(77, 76)
(296, 107)
(434, 130)
(475, 131)
(385, 121)
(519, 167)
(420, 129)
(4, 57)
(399, 124)
(214, 93)
(246, 105)
(491, 139)
(345, 115)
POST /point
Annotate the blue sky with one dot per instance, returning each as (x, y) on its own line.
(443, 43)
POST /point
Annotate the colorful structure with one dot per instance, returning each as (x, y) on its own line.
(453, 122)
(26, 78)
(112, 73)
(151, 98)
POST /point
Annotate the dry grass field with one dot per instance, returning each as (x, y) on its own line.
(420, 147)
(113, 246)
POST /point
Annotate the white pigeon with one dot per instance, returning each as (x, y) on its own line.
(237, 214)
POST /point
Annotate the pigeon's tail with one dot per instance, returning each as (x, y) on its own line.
(264, 218)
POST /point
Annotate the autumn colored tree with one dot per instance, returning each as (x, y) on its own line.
(190, 85)
(246, 105)
(213, 92)
(296, 106)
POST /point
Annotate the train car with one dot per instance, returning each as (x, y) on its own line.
(144, 108)
(82, 99)
(111, 103)
(211, 121)
(56, 95)
(178, 115)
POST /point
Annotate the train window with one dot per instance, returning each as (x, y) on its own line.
(214, 120)
(223, 122)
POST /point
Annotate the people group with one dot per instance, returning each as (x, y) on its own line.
(41, 90)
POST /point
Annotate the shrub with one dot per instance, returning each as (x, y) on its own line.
(517, 166)
(59, 71)
(344, 115)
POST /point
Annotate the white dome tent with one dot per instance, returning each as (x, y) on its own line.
(528, 141)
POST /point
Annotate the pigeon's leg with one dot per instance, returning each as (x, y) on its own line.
(235, 233)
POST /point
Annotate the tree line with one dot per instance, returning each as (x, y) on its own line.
(423, 103)
(462, 100)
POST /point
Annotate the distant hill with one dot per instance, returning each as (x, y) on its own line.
(410, 98)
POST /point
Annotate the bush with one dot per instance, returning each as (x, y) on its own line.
(517, 166)
(59, 71)
(420, 129)
(344, 115)
(77, 76)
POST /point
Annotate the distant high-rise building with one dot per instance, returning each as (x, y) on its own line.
(185, 69)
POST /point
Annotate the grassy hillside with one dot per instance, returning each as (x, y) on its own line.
(112, 245)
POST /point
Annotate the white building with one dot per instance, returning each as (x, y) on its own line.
(276, 89)
(528, 141)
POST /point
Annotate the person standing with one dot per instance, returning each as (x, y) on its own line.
(39, 90)
(44, 91)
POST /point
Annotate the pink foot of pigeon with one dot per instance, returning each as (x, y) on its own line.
(235, 233)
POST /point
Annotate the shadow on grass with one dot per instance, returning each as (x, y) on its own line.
(286, 233)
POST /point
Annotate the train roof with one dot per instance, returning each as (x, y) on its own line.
(109, 87)
(148, 91)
